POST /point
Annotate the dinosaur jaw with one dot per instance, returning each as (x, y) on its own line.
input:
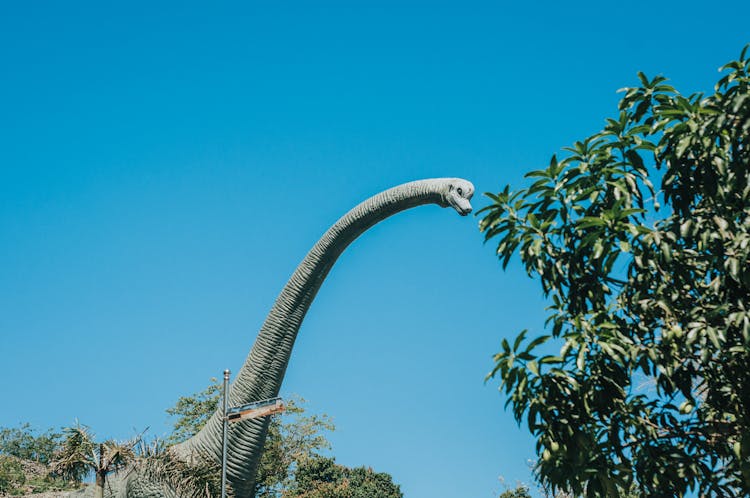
(458, 196)
(462, 206)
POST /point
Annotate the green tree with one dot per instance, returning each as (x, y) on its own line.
(318, 478)
(12, 476)
(650, 304)
(322, 477)
(292, 438)
(81, 454)
(22, 442)
(366, 483)
(193, 411)
(24, 461)
(518, 492)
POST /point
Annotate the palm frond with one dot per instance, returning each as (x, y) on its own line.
(199, 478)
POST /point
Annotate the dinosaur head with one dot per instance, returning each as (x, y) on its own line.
(457, 194)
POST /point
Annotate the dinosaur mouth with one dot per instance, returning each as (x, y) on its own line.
(461, 205)
(464, 211)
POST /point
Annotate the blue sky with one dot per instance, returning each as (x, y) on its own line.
(165, 167)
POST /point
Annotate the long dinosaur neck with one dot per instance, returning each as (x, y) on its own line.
(263, 371)
(261, 375)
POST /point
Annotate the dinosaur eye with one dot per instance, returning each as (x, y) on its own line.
(460, 191)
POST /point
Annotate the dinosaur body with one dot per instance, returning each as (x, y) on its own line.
(263, 371)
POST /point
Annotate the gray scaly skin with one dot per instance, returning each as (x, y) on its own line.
(263, 371)
(264, 368)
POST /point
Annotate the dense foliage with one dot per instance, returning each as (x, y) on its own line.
(23, 442)
(12, 475)
(650, 303)
(518, 492)
(296, 440)
(24, 459)
(292, 465)
(292, 437)
(321, 477)
(192, 412)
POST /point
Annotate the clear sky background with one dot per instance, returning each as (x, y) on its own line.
(164, 167)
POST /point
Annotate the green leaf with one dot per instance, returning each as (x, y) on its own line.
(581, 358)
(533, 367)
(519, 339)
(537, 342)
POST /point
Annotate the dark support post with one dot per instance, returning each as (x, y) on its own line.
(224, 408)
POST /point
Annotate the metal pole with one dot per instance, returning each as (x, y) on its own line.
(225, 405)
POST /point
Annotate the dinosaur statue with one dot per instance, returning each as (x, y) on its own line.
(263, 371)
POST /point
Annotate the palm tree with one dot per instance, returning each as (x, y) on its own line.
(197, 478)
(80, 454)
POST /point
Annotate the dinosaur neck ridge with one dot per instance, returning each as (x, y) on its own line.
(263, 371)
